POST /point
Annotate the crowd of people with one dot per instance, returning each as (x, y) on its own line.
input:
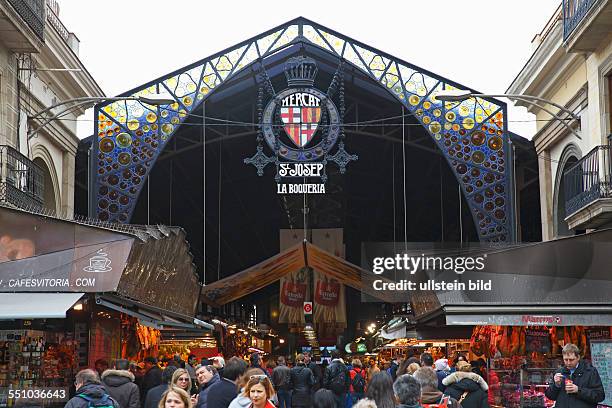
(411, 382)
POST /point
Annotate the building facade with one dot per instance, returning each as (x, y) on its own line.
(572, 66)
(39, 68)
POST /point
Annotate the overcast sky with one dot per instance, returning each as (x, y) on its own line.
(482, 44)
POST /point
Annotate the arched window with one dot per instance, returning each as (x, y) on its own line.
(49, 190)
(569, 157)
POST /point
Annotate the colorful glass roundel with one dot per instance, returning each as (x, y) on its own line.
(124, 158)
(495, 143)
(478, 156)
(107, 145)
(478, 138)
(124, 140)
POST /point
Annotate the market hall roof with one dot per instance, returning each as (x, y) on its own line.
(149, 264)
(472, 135)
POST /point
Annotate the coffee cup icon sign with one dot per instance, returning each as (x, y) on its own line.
(99, 263)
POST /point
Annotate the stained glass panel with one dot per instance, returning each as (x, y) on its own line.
(267, 41)
(289, 35)
(335, 42)
(351, 56)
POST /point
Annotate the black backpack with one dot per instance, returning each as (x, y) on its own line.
(358, 382)
(338, 382)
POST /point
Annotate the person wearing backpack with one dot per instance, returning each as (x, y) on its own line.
(392, 370)
(302, 380)
(336, 379)
(431, 397)
(358, 381)
(90, 393)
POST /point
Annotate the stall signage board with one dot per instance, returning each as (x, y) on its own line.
(537, 340)
(601, 357)
(90, 268)
(598, 333)
(42, 254)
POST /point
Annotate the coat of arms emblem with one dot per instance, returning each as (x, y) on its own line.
(301, 113)
(301, 124)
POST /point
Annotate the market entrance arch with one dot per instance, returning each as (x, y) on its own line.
(471, 135)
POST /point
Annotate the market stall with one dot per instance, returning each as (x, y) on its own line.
(521, 360)
(202, 347)
(74, 294)
(438, 348)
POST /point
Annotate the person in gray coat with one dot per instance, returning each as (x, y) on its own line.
(119, 383)
(89, 389)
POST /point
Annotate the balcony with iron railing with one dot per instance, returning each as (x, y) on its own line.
(33, 13)
(584, 23)
(588, 190)
(21, 180)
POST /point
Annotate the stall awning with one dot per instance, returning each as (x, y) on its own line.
(152, 316)
(152, 264)
(569, 315)
(561, 282)
(292, 259)
(36, 305)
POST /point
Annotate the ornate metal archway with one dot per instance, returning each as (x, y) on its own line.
(471, 134)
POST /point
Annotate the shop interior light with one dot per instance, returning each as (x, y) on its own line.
(232, 331)
(281, 341)
(78, 306)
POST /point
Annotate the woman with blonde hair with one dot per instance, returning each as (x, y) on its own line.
(181, 379)
(175, 397)
(412, 367)
(469, 388)
(259, 390)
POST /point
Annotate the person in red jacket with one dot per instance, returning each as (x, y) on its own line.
(358, 380)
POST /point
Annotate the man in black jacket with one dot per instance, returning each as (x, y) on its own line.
(155, 394)
(152, 377)
(302, 380)
(394, 366)
(90, 390)
(316, 371)
(577, 384)
(119, 383)
(281, 379)
(337, 379)
(223, 392)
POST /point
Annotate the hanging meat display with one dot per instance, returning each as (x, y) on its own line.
(510, 341)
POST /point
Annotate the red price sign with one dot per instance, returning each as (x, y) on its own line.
(307, 307)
